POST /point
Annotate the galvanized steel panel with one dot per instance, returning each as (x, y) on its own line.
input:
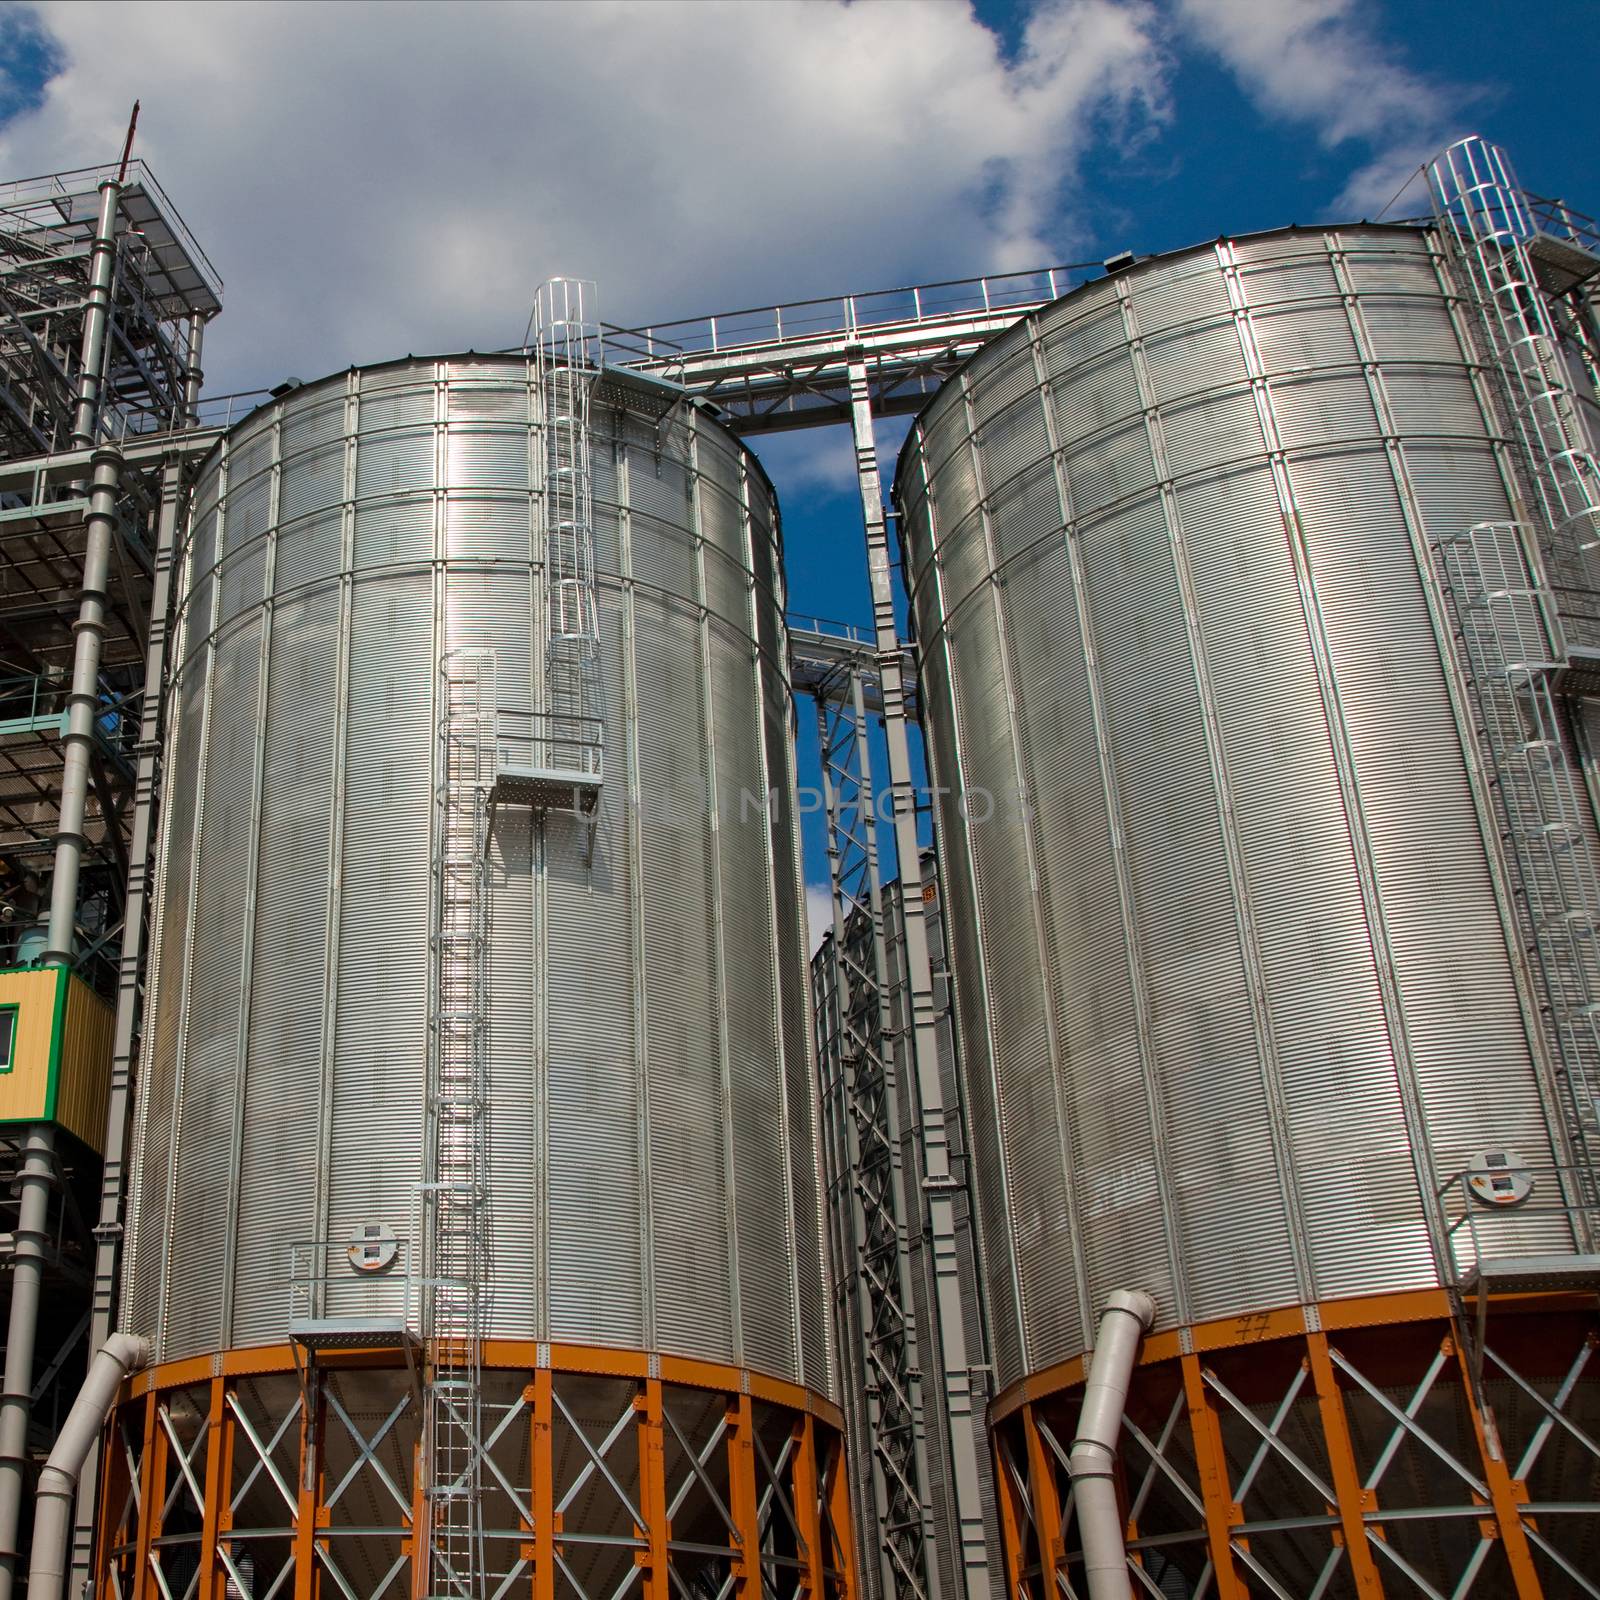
(1262, 918)
(652, 1167)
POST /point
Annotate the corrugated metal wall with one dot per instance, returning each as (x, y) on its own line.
(1231, 974)
(652, 1162)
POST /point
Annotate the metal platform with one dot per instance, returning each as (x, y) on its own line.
(546, 789)
(774, 368)
(1523, 1274)
(321, 1335)
(1561, 265)
(1579, 674)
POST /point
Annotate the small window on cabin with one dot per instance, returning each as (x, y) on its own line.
(8, 1038)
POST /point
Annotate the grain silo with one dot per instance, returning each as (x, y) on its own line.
(1250, 651)
(475, 1222)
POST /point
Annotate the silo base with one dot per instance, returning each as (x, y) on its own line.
(1357, 1448)
(251, 1475)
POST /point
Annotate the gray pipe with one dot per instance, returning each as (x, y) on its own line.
(121, 1354)
(35, 1182)
(100, 525)
(96, 318)
(1092, 1459)
(78, 740)
(193, 376)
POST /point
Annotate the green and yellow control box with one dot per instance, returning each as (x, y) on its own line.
(55, 1052)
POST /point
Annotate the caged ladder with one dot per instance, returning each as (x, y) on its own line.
(567, 356)
(1504, 622)
(456, 1202)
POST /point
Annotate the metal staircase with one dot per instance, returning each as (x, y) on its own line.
(1503, 621)
(456, 1202)
(1512, 633)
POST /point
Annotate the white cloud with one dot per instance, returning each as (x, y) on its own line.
(374, 179)
(819, 913)
(1318, 62)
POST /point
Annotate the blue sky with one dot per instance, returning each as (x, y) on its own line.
(377, 179)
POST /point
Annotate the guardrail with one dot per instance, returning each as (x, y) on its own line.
(1485, 1207)
(801, 320)
(527, 741)
(54, 188)
(1557, 217)
(367, 1274)
(847, 631)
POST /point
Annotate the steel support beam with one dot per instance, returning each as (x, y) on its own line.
(866, 1145)
(940, 1181)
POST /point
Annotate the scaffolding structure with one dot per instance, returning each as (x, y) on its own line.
(869, 1209)
(104, 296)
(852, 359)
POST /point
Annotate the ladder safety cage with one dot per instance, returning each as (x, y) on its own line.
(1510, 631)
(1491, 231)
(1503, 628)
(553, 759)
(455, 1203)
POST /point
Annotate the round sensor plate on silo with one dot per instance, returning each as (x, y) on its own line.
(373, 1248)
(1497, 1179)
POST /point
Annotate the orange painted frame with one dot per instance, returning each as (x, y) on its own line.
(1427, 1313)
(817, 1471)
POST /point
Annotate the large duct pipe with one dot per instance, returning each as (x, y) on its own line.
(96, 318)
(1092, 1459)
(34, 1182)
(121, 1354)
(84, 704)
(193, 376)
(100, 525)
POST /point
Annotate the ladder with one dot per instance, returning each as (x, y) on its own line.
(456, 1202)
(1503, 622)
(1488, 228)
(1509, 626)
(567, 354)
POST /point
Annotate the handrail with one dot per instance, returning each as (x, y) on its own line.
(788, 323)
(57, 186)
(1476, 1216)
(312, 1271)
(521, 737)
(848, 631)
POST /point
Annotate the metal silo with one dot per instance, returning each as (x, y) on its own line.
(475, 1218)
(1245, 684)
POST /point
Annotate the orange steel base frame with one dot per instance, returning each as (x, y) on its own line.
(602, 1473)
(1358, 1448)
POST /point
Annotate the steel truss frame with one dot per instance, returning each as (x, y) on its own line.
(865, 1176)
(605, 1474)
(776, 368)
(1331, 1451)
